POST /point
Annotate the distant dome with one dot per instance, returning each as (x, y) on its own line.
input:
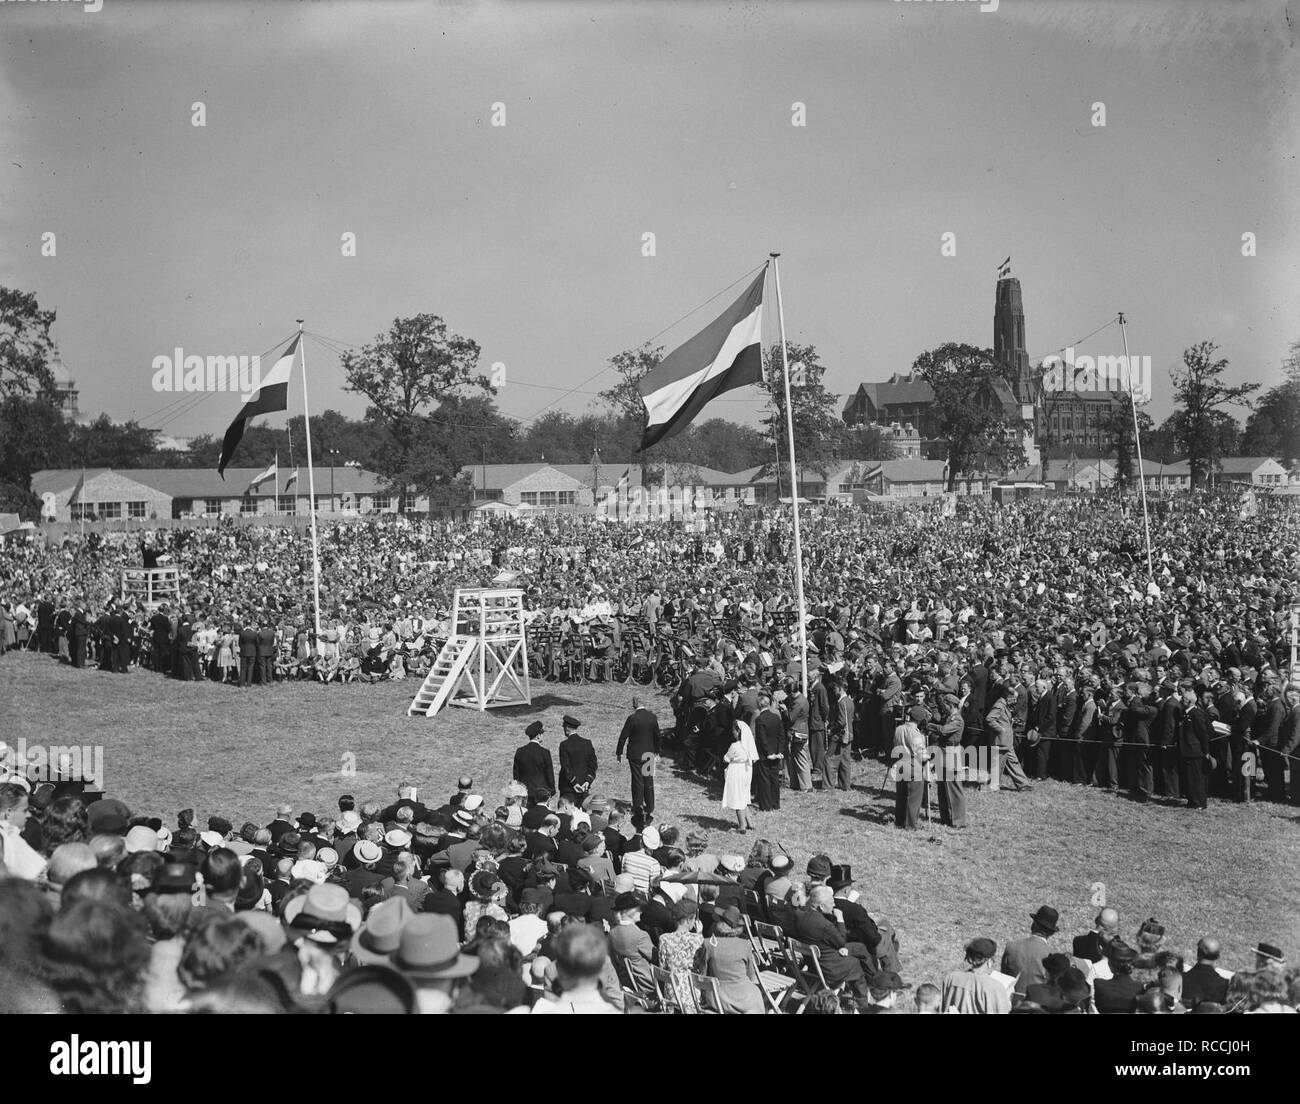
(62, 377)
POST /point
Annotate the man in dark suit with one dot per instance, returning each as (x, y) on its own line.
(534, 767)
(842, 962)
(160, 635)
(1067, 712)
(123, 635)
(1265, 730)
(186, 660)
(577, 761)
(1193, 746)
(1288, 740)
(247, 652)
(1139, 712)
(1165, 739)
(946, 734)
(1115, 995)
(45, 625)
(1041, 731)
(1093, 945)
(266, 652)
(1204, 982)
(80, 634)
(640, 737)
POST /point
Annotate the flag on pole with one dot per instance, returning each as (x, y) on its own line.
(1004, 269)
(726, 354)
(76, 491)
(293, 478)
(262, 477)
(273, 395)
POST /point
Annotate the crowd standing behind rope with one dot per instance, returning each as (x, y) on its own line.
(1028, 631)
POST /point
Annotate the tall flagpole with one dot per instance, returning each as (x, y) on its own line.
(794, 482)
(1137, 442)
(311, 486)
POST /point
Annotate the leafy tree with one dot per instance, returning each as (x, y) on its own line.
(25, 345)
(818, 430)
(971, 418)
(33, 436)
(1273, 428)
(418, 363)
(1199, 387)
(108, 444)
(632, 365)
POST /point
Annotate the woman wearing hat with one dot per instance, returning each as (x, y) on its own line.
(729, 957)
(740, 759)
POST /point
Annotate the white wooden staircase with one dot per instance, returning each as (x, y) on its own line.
(443, 676)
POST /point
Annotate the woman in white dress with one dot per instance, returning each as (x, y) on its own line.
(740, 759)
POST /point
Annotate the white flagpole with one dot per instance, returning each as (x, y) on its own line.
(794, 481)
(311, 485)
(1137, 443)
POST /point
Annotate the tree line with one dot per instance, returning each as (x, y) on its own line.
(431, 414)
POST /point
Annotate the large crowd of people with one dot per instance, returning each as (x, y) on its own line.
(996, 646)
(1032, 630)
(514, 906)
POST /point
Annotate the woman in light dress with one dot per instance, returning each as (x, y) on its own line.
(740, 760)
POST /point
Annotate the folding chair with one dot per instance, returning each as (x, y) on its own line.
(780, 913)
(754, 906)
(769, 942)
(798, 953)
(706, 994)
(666, 990)
(632, 1002)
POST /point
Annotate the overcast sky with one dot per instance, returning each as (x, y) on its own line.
(375, 118)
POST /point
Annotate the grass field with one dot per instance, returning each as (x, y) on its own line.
(1232, 871)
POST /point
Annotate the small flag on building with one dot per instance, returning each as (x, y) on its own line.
(293, 478)
(1004, 269)
(726, 354)
(272, 396)
(262, 477)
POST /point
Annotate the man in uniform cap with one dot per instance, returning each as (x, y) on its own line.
(577, 761)
(534, 767)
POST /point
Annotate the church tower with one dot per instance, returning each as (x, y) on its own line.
(1009, 338)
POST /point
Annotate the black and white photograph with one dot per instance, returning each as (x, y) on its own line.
(673, 507)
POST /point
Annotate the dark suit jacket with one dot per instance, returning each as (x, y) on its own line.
(1194, 734)
(1114, 996)
(1044, 714)
(1203, 983)
(577, 763)
(640, 735)
(1137, 718)
(248, 642)
(265, 643)
(535, 769)
(1089, 947)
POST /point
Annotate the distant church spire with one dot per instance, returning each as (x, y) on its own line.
(1009, 336)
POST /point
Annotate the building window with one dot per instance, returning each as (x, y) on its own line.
(288, 504)
(383, 502)
(408, 503)
(248, 505)
(568, 498)
(82, 511)
(135, 509)
(528, 498)
(322, 502)
(110, 511)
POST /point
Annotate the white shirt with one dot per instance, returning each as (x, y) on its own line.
(526, 932)
(19, 857)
